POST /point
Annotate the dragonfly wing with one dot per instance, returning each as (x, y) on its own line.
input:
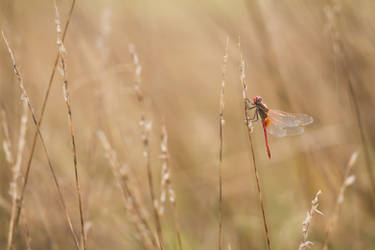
(290, 119)
(276, 128)
(291, 131)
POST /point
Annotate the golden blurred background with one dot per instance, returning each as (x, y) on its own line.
(313, 56)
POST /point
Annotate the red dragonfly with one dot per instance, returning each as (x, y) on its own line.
(276, 122)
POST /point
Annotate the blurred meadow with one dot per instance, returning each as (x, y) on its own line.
(137, 70)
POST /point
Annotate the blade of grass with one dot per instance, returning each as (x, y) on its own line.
(221, 124)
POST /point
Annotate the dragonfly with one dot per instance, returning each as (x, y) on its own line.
(275, 122)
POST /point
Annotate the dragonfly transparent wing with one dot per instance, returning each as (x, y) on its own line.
(291, 131)
(282, 124)
(290, 119)
(276, 128)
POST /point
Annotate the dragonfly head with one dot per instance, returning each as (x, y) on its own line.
(257, 100)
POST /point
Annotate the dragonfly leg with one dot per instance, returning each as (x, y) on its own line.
(248, 108)
(249, 104)
(255, 117)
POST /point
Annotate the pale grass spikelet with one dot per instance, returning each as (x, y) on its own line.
(243, 77)
(248, 121)
(347, 182)
(166, 183)
(7, 143)
(8, 154)
(350, 180)
(353, 159)
(307, 222)
(137, 72)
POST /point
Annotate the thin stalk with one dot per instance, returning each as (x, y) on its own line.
(62, 52)
(26, 99)
(39, 123)
(259, 189)
(249, 132)
(221, 124)
(146, 128)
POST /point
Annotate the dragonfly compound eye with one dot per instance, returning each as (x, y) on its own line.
(257, 99)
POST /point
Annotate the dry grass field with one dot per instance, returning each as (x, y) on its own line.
(129, 153)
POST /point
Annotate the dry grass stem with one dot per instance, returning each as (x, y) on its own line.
(167, 190)
(305, 244)
(25, 98)
(341, 56)
(44, 105)
(249, 131)
(221, 124)
(62, 53)
(130, 202)
(348, 180)
(146, 129)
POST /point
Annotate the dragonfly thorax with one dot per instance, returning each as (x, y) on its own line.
(262, 111)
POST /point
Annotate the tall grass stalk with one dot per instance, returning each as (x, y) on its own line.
(25, 98)
(348, 181)
(44, 105)
(249, 128)
(341, 56)
(221, 124)
(62, 52)
(146, 129)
